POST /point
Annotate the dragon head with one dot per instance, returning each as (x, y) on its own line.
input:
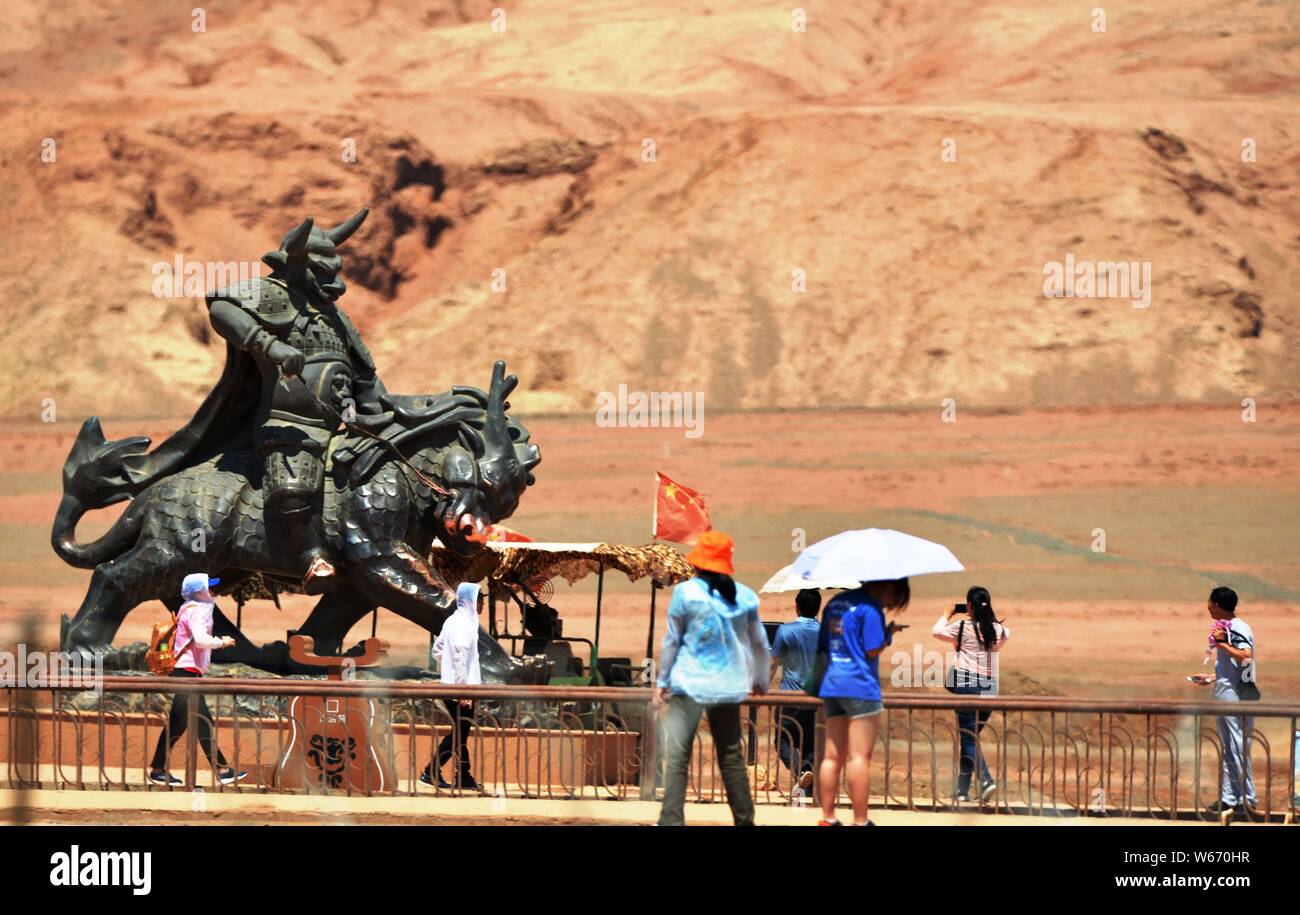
(479, 457)
(488, 469)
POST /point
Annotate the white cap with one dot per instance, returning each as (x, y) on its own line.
(196, 582)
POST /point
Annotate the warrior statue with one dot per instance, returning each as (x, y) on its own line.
(314, 370)
(298, 468)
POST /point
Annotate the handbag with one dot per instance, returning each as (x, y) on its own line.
(161, 656)
(1246, 690)
(950, 675)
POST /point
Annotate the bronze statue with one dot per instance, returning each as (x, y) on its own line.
(292, 327)
(298, 466)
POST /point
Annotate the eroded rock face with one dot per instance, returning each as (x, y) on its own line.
(763, 215)
(537, 158)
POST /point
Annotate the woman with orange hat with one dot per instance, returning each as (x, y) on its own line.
(714, 653)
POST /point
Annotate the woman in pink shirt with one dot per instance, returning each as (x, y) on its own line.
(977, 635)
(195, 642)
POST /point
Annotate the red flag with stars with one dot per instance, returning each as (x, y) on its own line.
(680, 513)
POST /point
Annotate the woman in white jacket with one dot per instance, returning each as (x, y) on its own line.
(456, 648)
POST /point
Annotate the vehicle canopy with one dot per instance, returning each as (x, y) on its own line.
(520, 572)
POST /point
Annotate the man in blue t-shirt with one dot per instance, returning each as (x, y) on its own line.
(795, 648)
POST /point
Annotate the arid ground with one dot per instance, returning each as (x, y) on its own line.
(1187, 497)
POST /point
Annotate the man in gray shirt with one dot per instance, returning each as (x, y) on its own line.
(1234, 681)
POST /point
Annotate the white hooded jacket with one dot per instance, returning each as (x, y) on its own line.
(457, 645)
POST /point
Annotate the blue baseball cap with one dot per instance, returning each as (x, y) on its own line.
(197, 582)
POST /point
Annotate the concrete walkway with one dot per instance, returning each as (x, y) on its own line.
(247, 808)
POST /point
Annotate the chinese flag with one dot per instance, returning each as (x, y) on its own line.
(680, 513)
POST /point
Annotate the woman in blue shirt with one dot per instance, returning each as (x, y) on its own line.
(853, 634)
(714, 652)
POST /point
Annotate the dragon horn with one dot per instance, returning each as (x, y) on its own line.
(341, 232)
(502, 385)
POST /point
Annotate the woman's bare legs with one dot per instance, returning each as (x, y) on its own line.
(828, 777)
(861, 741)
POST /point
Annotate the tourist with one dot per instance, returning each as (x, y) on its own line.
(853, 634)
(795, 649)
(1234, 681)
(457, 650)
(1295, 779)
(194, 638)
(977, 636)
(714, 652)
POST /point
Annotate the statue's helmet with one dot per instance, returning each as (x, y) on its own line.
(308, 257)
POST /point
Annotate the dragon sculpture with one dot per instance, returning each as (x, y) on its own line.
(298, 459)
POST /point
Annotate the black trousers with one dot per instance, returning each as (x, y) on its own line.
(796, 730)
(456, 741)
(176, 728)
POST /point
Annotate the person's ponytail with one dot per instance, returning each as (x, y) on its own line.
(720, 582)
(980, 605)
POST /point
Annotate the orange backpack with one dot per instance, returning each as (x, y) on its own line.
(161, 656)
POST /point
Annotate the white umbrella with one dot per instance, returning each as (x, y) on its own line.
(874, 554)
(789, 580)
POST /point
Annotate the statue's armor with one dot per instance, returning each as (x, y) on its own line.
(294, 430)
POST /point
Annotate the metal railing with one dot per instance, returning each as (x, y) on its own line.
(1054, 756)
(1048, 756)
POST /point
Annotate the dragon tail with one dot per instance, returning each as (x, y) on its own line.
(91, 462)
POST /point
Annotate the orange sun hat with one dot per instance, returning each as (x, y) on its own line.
(712, 553)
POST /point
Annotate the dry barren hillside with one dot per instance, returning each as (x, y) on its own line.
(777, 154)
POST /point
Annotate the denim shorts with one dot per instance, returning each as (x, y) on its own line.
(852, 708)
